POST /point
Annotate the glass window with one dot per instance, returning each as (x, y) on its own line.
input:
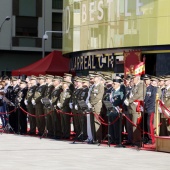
(57, 4)
(57, 42)
(27, 7)
(57, 26)
(26, 26)
(57, 21)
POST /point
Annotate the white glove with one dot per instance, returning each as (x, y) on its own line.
(89, 105)
(71, 105)
(51, 102)
(126, 102)
(59, 105)
(26, 102)
(42, 101)
(76, 107)
(159, 110)
(33, 102)
(141, 108)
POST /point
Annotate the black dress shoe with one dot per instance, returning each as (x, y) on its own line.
(31, 133)
(23, 133)
(40, 134)
(50, 135)
(90, 142)
(128, 143)
(149, 142)
(57, 137)
(96, 142)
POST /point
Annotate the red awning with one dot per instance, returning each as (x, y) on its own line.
(54, 64)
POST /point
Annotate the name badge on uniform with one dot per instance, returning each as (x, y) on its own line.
(148, 93)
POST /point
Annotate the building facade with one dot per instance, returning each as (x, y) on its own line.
(97, 32)
(21, 40)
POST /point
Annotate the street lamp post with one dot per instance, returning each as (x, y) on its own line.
(45, 37)
(6, 19)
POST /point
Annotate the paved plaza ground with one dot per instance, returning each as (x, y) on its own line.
(31, 153)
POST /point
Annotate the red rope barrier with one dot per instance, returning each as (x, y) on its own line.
(36, 115)
(139, 128)
(103, 123)
(61, 112)
(163, 106)
(99, 118)
(72, 114)
(3, 113)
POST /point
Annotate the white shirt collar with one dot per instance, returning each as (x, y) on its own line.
(117, 89)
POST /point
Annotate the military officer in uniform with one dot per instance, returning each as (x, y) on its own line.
(162, 117)
(128, 89)
(95, 103)
(90, 117)
(55, 95)
(68, 77)
(63, 104)
(47, 108)
(136, 95)
(30, 106)
(166, 100)
(11, 95)
(116, 98)
(76, 95)
(84, 95)
(149, 105)
(106, 97)
(36, 101)
(22, 124)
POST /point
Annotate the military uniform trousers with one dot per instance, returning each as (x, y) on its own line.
(40, 121)
(150, 125)
(22, 122)
(80, 123)
(48, 118)
(32, 119)
(134, 133)
(65, 124)
(95, 124)
(56, 124)
(89, 129)
(13, 118)
(114, 129)
(165, 126)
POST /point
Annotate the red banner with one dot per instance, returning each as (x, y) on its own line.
(132, 63)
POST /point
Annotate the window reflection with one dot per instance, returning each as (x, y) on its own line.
(97, 24)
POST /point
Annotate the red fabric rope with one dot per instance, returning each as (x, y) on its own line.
(71, 114)
(163, 106)
(102, 122)
(138, 127)
(3, 113)
(35, 115)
